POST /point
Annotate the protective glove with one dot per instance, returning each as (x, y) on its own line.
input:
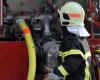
(53, 76)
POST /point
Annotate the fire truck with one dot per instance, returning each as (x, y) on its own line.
(14, 60)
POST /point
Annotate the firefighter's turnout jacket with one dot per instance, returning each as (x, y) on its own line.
(73, 58)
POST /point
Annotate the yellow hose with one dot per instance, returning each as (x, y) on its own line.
(31, 49)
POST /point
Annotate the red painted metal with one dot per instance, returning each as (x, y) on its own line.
(93, 42)
(13, 61)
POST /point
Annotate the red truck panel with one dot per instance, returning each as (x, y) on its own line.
(94, 43)
(13, 61)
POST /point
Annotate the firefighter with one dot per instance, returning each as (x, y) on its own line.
(74, 56)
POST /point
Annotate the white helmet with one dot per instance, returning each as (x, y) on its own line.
(72, 14)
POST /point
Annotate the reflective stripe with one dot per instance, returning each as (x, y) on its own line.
(62, 70)
(70, 52)
(88, 54)
(75, 52)
(74, 15)
(97, 51)
(87, 72)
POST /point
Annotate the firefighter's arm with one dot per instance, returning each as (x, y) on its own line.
(69, 66)
(53, 76)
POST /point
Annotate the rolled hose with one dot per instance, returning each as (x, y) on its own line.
(31, 49)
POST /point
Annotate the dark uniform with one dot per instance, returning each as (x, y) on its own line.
(73, 64)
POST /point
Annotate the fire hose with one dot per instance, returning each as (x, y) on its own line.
(31, 49)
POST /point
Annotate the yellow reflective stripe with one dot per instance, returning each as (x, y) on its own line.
(88, 54)
(71, 52)
(62, 55)
(97, 51)
(74, 52)
(87, 72)
(62, 70)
